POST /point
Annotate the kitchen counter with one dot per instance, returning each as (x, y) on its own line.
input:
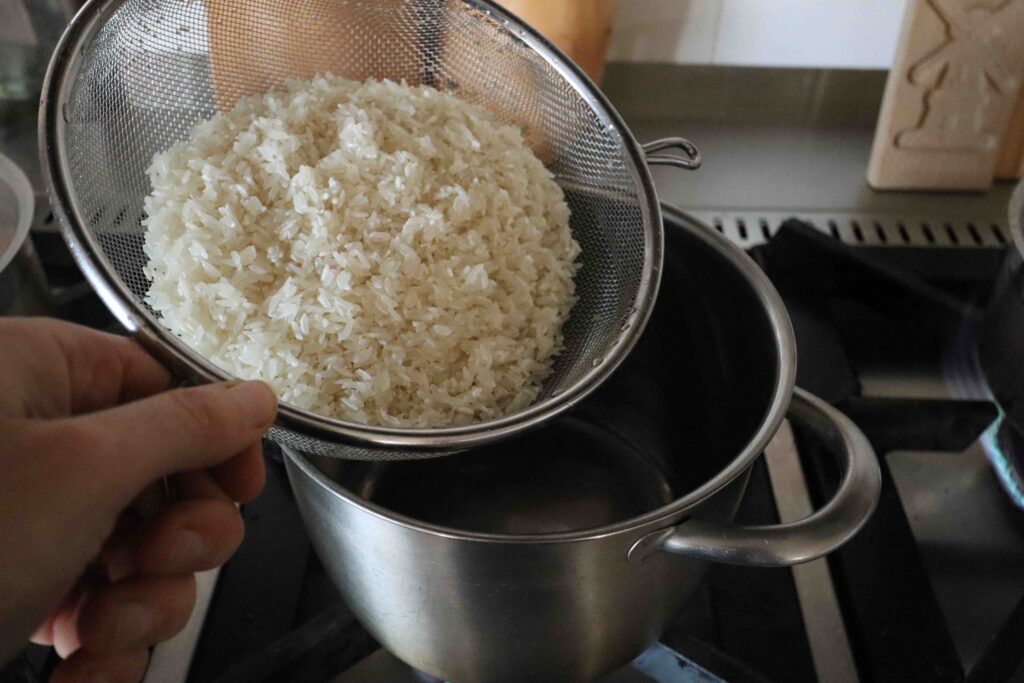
(779, 142)
(775, 141)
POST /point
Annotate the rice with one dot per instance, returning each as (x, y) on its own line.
(376, 252)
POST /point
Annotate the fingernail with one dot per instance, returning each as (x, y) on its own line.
(189, 549)
(134, 623)
(257, 400)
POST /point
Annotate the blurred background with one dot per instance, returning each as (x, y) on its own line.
(865, 153)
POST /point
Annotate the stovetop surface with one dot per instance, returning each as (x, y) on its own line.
(929, 590)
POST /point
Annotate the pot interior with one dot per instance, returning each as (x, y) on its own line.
(571, 475)
(681, 408)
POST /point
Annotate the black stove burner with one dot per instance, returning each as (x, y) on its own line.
(870, 308)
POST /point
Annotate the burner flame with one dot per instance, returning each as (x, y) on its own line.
(1004, 447)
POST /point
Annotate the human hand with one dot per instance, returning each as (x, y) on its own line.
(88, 421)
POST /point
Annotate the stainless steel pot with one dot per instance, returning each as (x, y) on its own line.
(562, 554)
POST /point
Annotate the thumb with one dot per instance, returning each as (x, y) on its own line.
(183, 429)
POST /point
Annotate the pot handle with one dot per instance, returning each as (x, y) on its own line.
(807, 539)
(678, 152)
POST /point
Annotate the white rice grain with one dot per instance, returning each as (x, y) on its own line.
(376, 252)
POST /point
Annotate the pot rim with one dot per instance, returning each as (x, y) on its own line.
(783, 390)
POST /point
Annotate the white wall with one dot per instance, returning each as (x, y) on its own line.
(799, 33)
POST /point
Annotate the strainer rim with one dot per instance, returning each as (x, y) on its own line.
(185, 362)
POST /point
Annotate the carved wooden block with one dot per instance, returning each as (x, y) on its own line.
(1011, 151)
(950, 95)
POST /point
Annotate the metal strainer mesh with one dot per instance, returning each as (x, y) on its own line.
(133, 76)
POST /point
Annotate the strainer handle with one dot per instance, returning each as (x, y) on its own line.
(678, 152)
(782, 545)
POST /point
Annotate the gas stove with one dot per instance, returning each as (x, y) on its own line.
(916, 595)
(882, 290)
(930, 590)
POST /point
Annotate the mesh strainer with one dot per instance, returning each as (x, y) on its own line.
(130, 78)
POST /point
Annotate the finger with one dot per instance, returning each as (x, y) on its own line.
(242, 477)
(190, 536)
(61, 628)
(104, 370)
(139, 373)
(239, 479)
(197, 485)
(135, 613)
(183, 429)
(44, 634)
(65, 631)
(116, 559)
(123, 667)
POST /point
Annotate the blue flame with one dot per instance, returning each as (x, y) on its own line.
(665, 665)
(997, 443)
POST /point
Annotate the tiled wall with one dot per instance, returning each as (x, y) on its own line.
(807, 33)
